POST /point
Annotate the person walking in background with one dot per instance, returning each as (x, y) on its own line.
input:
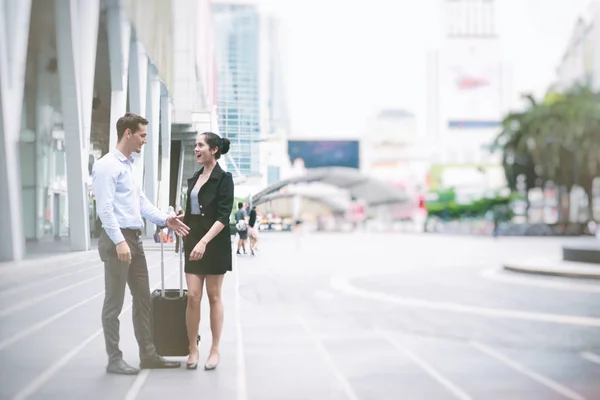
(208, 246)
(242, 227)
(253, 230)
(121, 204)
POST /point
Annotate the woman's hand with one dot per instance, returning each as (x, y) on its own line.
(198, 251)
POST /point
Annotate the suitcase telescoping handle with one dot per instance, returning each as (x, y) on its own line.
(180, 265)
(162, 267)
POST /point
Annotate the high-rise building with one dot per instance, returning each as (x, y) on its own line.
(279, 118)
(276, 121)
(470, 18)
(579, 63)
(237, 34)
(469, 87)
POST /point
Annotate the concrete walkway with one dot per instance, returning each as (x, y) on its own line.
(554, 267)
(551, 262)
(323, 316)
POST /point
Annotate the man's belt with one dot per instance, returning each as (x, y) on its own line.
(131, 232)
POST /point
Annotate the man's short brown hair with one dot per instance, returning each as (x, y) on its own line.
(129, 121)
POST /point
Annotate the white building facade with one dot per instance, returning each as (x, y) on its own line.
(68, 70)
(393, 150)
(580, 63)
(469, 92)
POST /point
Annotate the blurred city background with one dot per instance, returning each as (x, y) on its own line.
(446, 150)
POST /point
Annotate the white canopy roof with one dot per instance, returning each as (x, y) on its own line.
(372, 191)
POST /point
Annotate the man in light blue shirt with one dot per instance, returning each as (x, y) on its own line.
(121, 206)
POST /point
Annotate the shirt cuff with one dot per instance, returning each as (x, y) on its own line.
(164, 221)
(116, 236)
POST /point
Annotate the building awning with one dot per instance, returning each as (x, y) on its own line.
(370, 190)
(331, 203)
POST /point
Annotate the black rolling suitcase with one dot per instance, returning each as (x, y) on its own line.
(168, 313)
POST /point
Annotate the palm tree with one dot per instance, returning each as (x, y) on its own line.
(557, 140)
(577, 145)
(515, 141)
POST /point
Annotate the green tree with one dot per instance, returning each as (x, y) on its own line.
(556, 140)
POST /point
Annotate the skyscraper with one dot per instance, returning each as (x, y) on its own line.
(276, 122)
(469, 88)
(470, 18)
(238, 52)
(279, 119)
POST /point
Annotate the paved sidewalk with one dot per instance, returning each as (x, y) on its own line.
(554, 267)
(45, 263)
(323, 316)
(551, 262)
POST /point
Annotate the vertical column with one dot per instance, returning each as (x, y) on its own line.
(166, 109)
(44, 120)
(14, 21)
(296, 206)
(119, 40)
(178, 201)
(76, 33)
(138, 83)
(88, 19)
(151, 151)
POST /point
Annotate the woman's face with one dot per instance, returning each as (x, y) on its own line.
(203, 151)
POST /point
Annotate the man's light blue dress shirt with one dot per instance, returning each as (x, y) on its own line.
(120, 202)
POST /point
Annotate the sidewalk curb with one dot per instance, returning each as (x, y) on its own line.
(564, 272)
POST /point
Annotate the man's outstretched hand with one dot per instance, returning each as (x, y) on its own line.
(174, 223)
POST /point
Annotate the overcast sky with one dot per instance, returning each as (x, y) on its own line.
(345, 60)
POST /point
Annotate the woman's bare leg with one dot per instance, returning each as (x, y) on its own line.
(213, 290)
(195, 285)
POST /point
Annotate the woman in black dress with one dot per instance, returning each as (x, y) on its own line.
(208, 245)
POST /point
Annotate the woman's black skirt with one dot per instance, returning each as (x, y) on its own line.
(217, 259)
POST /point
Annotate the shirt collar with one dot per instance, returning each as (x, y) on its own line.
(121, 157)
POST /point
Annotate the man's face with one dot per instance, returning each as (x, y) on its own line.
(137, 139)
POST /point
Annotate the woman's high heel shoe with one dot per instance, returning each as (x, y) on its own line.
(208, 366)
(193, 365)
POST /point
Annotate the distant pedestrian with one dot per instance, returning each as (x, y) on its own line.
(253, 230)
(241, 224)
(496, 218)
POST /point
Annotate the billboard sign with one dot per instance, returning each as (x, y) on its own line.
(324, 153)
(472, 87)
